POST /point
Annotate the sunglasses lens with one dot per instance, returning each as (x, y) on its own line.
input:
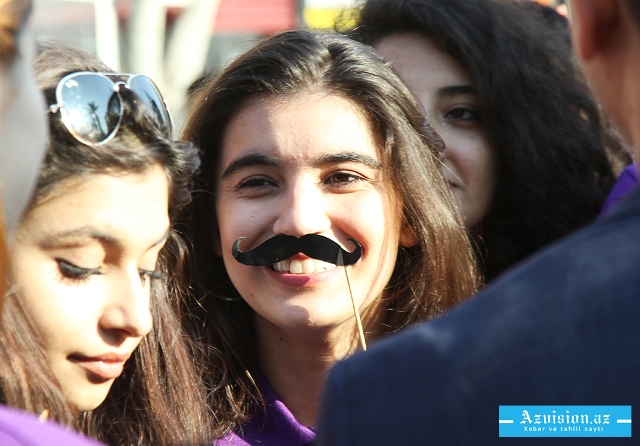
(92, 107)
(152, 98)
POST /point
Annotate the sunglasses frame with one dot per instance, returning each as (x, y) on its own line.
(116, 84)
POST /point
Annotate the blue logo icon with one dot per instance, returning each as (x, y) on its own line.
(564, 421)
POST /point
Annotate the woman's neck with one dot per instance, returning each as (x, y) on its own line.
(296, 363)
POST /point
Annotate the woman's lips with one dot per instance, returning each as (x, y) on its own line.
(103, 367)
(301, 279)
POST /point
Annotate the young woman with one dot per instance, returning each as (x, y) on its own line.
(96, 265)
(311, 144)
(527, 153)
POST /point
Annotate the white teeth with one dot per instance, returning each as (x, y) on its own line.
(296, 267)
(306, 266)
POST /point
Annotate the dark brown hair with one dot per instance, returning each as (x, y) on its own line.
(159, 399)
(428, 278)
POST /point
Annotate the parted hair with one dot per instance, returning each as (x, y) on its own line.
(558, 155)
(159, 399)
(428, 278)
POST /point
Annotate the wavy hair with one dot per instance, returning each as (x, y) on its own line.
(558, 155)
(159, 399)
(428, 278)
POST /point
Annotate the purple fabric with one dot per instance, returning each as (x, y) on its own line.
(627, 181)
(274, 427)
(22, 429)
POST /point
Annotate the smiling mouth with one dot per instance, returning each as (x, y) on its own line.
(306, 266)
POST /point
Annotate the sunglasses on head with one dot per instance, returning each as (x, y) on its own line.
(91, 107)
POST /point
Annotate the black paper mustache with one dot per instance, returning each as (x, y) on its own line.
(281, 247)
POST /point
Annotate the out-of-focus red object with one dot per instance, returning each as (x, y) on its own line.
(236, 16)
(255, 16)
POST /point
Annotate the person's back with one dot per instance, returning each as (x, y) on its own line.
(561, 330)
(531, 339)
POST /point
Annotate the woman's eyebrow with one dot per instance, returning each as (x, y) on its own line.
(78, 234)
(452, 90)
(251, 159)
(348, 157)
(258, 159)
(88, 232)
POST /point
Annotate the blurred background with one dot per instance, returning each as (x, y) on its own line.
(175, 42)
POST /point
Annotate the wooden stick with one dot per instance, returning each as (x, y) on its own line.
(356, 312)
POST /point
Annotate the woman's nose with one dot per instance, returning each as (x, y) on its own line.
(128, 310)
(303, 210)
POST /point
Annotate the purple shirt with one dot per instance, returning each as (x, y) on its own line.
(275, 426)
(23, 429)
(627, 181)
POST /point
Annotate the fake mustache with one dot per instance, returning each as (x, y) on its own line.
(281, 247)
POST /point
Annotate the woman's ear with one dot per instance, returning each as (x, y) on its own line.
(408, 238)
(592, 22)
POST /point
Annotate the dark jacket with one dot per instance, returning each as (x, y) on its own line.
(561, 329)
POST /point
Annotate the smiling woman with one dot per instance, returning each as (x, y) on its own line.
(311, 137)
(90, 282)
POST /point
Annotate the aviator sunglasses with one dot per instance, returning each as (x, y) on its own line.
(91, 107)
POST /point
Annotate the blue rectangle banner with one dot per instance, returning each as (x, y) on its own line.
(564, 421)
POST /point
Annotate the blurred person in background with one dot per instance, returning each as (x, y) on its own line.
(22, 125)
(22, 146)
(528, 154)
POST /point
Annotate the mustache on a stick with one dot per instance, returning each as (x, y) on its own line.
(281, 247)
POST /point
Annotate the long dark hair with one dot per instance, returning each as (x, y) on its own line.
(557, 153)
(159, 398)
(428, 278)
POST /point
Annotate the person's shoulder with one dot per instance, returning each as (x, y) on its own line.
(23, 429)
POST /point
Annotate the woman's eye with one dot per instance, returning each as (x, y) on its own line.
(71, 271)
(343, 178)
(461, 114)
(146, 275)
(255, 183)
